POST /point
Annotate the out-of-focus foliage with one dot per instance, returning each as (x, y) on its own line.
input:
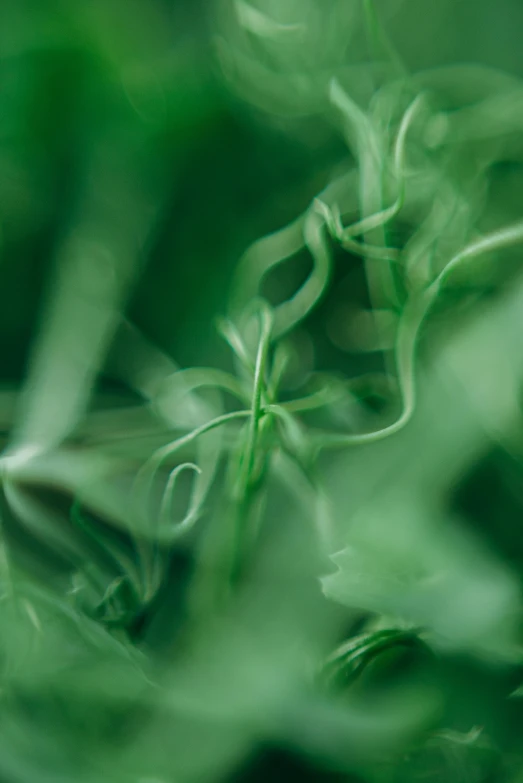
(261, 306)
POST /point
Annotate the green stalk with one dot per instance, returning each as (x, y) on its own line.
(243, 486)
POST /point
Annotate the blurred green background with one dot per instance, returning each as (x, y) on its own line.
(144, 145)
(109, 110)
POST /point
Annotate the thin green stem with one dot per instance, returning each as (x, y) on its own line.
(411, 321)
(256, 404)
(244, 482)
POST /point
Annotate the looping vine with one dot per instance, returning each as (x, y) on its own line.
(404, 182)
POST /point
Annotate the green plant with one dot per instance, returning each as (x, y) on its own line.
(163, 557)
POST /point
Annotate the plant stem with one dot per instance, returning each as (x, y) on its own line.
(242, 487)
